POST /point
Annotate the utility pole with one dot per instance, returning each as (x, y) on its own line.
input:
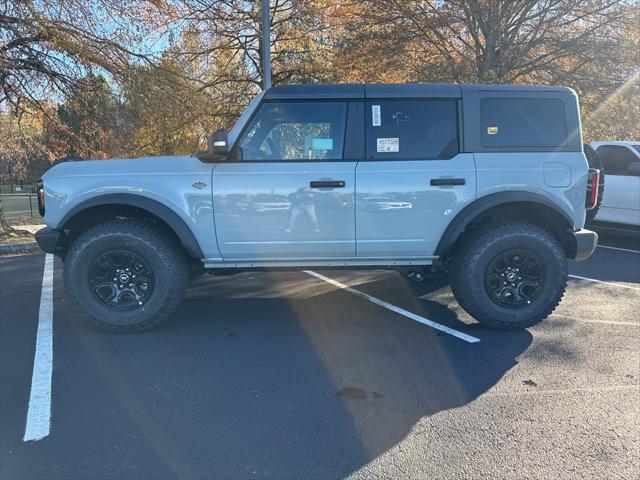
(266, 46)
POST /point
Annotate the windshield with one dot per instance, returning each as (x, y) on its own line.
(637, 147)
(244, 118)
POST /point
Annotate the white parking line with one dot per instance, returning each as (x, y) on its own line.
(613, 284)
(393, 308)
(39, 413)
(618, 248)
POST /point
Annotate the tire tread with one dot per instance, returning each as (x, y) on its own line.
(171, 253)
(468, 254)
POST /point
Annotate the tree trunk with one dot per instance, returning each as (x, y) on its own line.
(4, 226)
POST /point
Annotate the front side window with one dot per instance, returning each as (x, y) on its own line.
(619, 160)
(411, 129)
(522, 122)
(295, 131)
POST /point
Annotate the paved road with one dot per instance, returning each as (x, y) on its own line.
(282, 375)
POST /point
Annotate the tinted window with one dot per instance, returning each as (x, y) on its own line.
(618, 160)
(522, 122)
(411, 129)
(637, 147)
(295, 131)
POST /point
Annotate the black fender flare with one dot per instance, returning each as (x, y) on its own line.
(482, 204)
(164, 213)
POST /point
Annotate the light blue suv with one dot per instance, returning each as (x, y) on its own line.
(487, 183)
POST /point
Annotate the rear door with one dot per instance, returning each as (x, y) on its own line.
(288, 191)
(414, 179)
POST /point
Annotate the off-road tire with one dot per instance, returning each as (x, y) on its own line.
(471, 261)
(162, 253)
(594, 161)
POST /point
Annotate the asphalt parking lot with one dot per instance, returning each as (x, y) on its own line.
(285, 375)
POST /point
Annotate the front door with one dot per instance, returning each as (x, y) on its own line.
(414, 179)
(621, 202)
(287, 192)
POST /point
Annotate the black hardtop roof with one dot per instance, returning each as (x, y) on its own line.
(322, 91)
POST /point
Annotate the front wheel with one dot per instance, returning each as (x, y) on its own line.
(128, 276)
(509, 276)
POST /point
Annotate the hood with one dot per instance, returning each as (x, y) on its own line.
(121, 166)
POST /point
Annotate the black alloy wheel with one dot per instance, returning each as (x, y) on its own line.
(514, 278)
(121, 280)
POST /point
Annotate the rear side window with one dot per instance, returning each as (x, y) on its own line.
(522, 122)
(619, 160)
(411, 129)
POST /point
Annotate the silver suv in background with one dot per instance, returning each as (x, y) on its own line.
(486, 183)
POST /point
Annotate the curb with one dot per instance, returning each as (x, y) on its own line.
(10, 248)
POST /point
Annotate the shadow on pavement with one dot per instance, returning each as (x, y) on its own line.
(248, 382)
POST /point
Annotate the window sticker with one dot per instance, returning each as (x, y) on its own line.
(388, 145)
(376, 117)
(322, 143)
(492, 130)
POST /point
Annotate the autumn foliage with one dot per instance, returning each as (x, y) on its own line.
(123, 78)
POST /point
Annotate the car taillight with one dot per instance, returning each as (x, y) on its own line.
(40, 193)
(593, 185)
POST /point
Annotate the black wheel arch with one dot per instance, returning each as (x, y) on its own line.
(116, 202)
(512, 205)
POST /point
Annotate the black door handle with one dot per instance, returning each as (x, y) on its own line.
(327, 184)
(447, 181)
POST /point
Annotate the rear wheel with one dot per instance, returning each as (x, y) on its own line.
(126, 275)
(509, 276)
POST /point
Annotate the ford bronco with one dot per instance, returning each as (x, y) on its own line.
(486, 183)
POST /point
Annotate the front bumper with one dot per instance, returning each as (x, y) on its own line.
(585, 243)
(48, 239)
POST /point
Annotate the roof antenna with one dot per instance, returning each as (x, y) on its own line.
(266, 46)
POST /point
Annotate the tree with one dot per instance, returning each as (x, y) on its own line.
(46, 46)
(506, 41)
(92, 80)
(615, 117)
(165, 112)
(21, 156)
(88, 124)
(590, 45)
(225, 40)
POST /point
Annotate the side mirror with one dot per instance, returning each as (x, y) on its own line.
(219, 143)
(217, 148)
